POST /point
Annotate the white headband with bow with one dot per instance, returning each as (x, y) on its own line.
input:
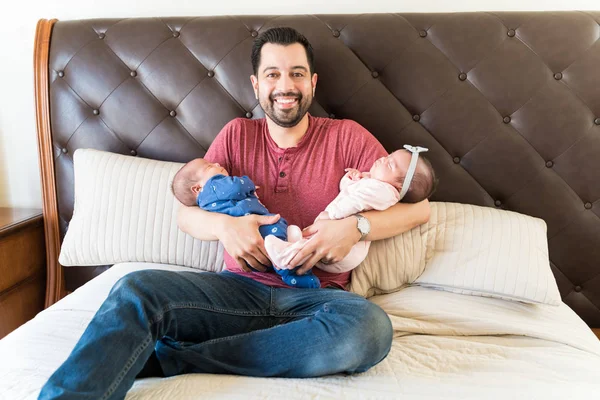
(415, 150)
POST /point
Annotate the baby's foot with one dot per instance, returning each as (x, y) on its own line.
(306, 281)
(294, 234)
(281, 252)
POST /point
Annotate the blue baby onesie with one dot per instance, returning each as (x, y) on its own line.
(236, 196)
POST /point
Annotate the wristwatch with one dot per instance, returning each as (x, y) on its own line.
(363, 225)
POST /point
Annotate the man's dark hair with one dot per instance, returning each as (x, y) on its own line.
(283, 36)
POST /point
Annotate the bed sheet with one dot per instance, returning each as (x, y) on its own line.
(446, 345)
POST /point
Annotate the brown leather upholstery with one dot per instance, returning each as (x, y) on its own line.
(508, 103)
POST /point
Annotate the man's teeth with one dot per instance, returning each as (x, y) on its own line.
(286, 101)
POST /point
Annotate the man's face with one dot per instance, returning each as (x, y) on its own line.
(284, 86)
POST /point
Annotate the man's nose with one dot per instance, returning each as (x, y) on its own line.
(285, 83)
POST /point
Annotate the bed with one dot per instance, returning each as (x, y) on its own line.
(493, 298)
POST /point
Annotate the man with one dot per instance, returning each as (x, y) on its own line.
(244, 320)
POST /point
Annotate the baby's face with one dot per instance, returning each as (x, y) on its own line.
(390, 168)
(207, 170)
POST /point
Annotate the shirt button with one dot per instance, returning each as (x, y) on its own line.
(282, 174)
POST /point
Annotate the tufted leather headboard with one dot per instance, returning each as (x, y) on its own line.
(508, 103)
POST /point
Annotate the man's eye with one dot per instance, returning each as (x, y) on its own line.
(271, 75)
(298, 75)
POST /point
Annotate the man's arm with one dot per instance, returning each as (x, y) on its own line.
(199, 223)
(397, 219)
(239, 235)
(332, 239)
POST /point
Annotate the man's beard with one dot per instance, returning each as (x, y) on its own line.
(290, 117)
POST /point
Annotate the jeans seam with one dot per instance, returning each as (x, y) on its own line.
(160, 315)
(222, 339)
(113, 386)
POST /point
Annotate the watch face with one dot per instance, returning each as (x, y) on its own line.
(363, 225)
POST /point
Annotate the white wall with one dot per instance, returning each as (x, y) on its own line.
(19, 169)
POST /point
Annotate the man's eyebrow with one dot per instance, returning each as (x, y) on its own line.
(302, 67)
(268, 68)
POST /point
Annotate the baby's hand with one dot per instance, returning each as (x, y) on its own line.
(353, 174)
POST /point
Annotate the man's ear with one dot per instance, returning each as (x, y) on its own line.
(196, 188)
(254, 81)
(314, 83)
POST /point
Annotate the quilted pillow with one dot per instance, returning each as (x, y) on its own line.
(124, 211)
(465, 249)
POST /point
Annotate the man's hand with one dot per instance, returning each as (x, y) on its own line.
(330, 241)
(243, 242)
(353, 174)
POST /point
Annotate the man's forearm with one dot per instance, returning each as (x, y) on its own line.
(200, 224)
(397, 219)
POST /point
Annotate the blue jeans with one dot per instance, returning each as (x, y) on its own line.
(218, 323)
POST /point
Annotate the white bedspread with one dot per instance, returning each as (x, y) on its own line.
(446, 346)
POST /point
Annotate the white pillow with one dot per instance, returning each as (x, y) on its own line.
(465, 249)
(124, 211)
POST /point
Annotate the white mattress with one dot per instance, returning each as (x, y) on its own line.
(446, 346)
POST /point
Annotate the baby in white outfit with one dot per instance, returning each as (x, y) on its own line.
(401, 176)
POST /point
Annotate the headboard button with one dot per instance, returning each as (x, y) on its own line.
(101, 36)
(176, 34)
(96, 112)
(64, 150)
(578, 288)
(558, 76)
(506, 120)
(549, 164)
(133, 153)
(462, 76)
(173, 113)
(511, 33)
(416, 117)
(456, 160)
(336, 33)
(588, 205)
(597, 121)
(254, 33)
(61, 74)
(498, 203)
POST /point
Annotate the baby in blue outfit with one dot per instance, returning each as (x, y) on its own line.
(209, 186)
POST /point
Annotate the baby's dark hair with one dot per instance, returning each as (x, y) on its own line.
(423, 184)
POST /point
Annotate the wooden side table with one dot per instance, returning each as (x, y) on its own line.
(22, 267)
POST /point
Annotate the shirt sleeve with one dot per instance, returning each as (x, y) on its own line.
(362, 148)
(220, 151)
(366, 194)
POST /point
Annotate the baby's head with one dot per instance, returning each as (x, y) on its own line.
(393, 168)
(192, 177)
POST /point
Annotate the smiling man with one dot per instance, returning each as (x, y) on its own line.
(242, 321)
